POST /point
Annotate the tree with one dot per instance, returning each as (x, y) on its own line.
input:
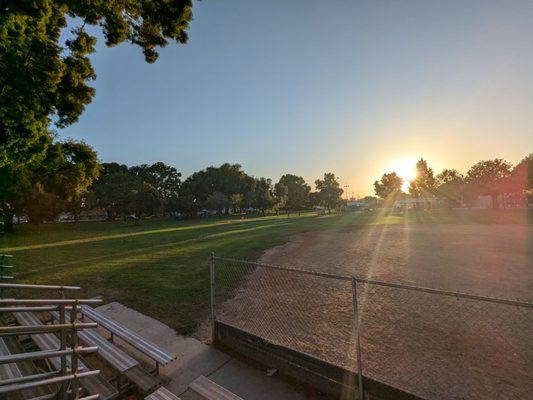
(50, 184)
(165, 179)
(329, 191)
(15, 190)
(424, 184)
(280, 192)
(217, 202)
(185, 204)
(297, 192)
(489, 178)
(228, 179)
(262, 197)
(112, 188)
(521, 178)
(43, 81)
(236, 200)
(141, 199)
(451, 184)
(389, 186)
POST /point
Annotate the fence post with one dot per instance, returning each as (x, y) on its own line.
(2, 260)
(74, 345)
(212, 293)
(358, 339)
(63, 346)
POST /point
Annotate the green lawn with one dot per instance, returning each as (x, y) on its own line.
(160, 267)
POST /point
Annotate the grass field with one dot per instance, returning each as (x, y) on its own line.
(160, 267)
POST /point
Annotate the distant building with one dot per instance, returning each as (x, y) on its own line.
(420, 203)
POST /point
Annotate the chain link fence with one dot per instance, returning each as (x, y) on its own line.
(433, 344)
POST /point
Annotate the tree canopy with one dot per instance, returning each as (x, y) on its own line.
(424, 184)
(45, 187)
(388, 186)
(329, 191)
(297, 192)
(43, 82)
(489, 177)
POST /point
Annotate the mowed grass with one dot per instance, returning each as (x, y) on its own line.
(160, 267)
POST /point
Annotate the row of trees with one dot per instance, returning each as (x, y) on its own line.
(486, 178)
(158, 189)
(68, 178)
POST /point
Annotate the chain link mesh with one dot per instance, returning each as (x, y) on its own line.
(310, 314)
(436, 346)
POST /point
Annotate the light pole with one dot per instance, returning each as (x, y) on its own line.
(346, 191)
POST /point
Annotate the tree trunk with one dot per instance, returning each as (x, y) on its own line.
(8, 222)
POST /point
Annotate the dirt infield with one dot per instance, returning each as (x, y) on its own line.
(434, 346)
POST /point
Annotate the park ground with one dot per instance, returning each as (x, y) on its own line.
(438, 347)
(160, 267)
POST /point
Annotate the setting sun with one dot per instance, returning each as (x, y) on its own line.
(405, 168)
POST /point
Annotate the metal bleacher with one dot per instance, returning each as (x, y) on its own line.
(54, 366)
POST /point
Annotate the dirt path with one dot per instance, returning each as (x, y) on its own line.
(436, 347)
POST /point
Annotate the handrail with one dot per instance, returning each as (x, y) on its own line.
(26, 378)
(31, 329)
(44, 382)
(38, 302)
(37, 355)
(31, 286)
(29, 309)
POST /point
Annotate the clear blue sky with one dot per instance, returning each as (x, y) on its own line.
(310, 86)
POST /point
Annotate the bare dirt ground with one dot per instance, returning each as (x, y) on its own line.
(434, 346)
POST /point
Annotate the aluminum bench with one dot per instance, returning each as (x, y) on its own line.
(118, 359)
(162, 394)
(211, 390)
(153, 351)
(109, 352)
(48, 341)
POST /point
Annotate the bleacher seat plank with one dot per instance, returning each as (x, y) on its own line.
(211, 390)
(162, 394)
(118, 359)
(144, 380)
(48, 341)
(8, 371)
(152, 350)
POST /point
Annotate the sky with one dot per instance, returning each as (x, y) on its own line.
(313, 86)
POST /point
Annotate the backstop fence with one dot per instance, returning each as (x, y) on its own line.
(427, 343)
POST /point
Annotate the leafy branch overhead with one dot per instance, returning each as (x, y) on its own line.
(42, 81)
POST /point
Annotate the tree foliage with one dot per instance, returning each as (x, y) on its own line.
(42, 81)
(329, 191)
(451, 184)
(489, 177)
(228, 179)
(297, 192)
(424, 184)
(217, 202)
(166, 180)
(388, 186)
(262, 196)
(50, 184)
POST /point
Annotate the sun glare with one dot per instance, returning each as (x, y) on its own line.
(405, 168)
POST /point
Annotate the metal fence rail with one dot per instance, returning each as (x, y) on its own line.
(434, 344)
